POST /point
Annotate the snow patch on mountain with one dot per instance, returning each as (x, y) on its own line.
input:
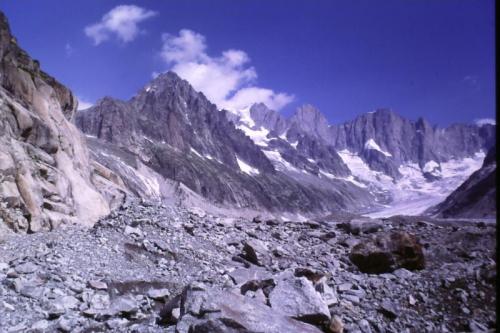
(279, 162)
(413, 193)
(350, 179)
(362, 171)
(194, 151)
(371, 144)
(432, 167)
(259, 136)
(244, 167)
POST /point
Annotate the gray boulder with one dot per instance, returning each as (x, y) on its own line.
(296, 297)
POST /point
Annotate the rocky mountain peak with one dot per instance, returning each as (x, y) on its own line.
(267, 118)
(309, 113)
(310, 120)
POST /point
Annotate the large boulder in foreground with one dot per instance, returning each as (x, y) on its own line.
(387, 252)
(204, 310)
(297, 298)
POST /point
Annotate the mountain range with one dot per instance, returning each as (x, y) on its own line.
(170, 143)
(256, 158)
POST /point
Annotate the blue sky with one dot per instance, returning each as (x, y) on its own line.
(433, 59)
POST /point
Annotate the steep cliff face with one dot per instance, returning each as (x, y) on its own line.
(45, 173)
(180, 135)
(408, 165)
(476, 197)
(408, 141)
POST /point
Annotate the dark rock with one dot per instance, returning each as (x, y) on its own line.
(475, 198)
(256, 252)
(387, 252)
(388, 309)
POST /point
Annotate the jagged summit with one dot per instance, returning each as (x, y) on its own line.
(181, 135)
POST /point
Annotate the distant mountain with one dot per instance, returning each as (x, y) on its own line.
(179, 135)
(476, 197)
(403, 163)
(256, 158)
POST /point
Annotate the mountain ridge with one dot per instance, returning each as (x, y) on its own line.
(257, 142)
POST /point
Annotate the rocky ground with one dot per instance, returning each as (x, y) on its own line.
(153, 268)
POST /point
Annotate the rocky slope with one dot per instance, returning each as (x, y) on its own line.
(45, 174)
(476, 197)
(177, 133)
(157, 268)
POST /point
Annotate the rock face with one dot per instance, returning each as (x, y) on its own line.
(177, 133)
(411, 141)
(45, 173)
(383, 133)
(476, 197)
(388, 252)
(395, 159)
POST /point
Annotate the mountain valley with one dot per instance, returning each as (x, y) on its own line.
(164, 213)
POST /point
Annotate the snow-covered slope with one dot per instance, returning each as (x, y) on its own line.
(399, 184)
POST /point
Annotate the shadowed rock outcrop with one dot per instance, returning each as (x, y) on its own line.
(388, 252)
(475, 198)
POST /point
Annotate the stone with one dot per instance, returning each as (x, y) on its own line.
(99, 285)
(388, 252)
(297, 298)
(4, 266)
(224, 311)
(364, 326)
(99, 301)
(388, 309)
(123, 305)
(328, 294)
(242, 275)
(131, 231)
(40, 326)
(66, 324)
(336, 325)
(255, 251)
(362, 226)
(476, 327)
(227, 222)
(26, 268)
(402, 273)
(197, 212)
(158, 294)
(117, 324)
(67, 302)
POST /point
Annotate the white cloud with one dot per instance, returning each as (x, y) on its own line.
(227, 80)
(83, 104)
(121, 21)
(485, 121)
(247, 96)
(69, 50)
